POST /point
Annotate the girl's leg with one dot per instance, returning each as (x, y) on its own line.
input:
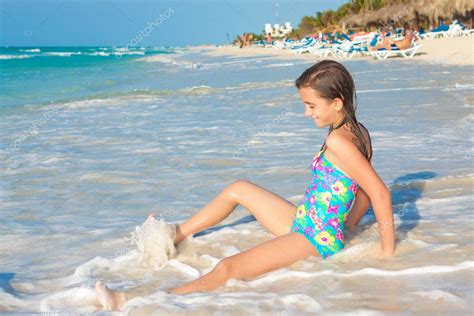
(273, 212)
(270, 255)
(386, 43)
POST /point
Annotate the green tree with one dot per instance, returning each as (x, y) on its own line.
(307, 25)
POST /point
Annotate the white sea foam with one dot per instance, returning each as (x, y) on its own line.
(15, 56)
(169, 59)
(78, 299)
(183, 268)
(284, 274)
(34, 50)
(397, 89)
(459, 86)
(61, 54)
(246, 303)
(438, 295)
(280, 65)
(154, 240)
(433, 269)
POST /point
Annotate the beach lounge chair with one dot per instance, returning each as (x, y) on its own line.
(454, 29)
(373, 42)
(406, 53)
(348, 49)
(347, 38)
(289, 42)
(464, 30)
(430, 35)
(435, 32)
(311, 43)
(467, 32)
(278, 45)
(322, 52)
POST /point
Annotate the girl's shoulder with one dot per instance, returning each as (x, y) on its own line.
(339, 138)
(346, 138)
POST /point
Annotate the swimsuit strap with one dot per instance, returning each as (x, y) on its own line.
(370, 153)
(342, 123)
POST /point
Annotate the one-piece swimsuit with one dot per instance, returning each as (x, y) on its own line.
(322, 212)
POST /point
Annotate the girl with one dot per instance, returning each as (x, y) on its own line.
(343, 179)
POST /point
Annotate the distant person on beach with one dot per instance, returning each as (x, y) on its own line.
(343, 186)
(239, 42)
(359, 33)
(389, 44)
(269, 38)
(249, 39)
(244, 39)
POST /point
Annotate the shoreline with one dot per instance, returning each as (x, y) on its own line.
(444, 51)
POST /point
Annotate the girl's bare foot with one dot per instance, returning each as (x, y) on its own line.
(110, 300)
(178, 234)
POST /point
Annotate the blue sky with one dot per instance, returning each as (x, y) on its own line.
(175, 23)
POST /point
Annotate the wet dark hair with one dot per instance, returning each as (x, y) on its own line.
(332, 80)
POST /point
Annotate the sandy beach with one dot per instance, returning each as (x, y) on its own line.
(448, 51)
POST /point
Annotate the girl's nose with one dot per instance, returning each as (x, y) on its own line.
(308, 112)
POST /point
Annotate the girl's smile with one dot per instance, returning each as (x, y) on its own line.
(323, 111)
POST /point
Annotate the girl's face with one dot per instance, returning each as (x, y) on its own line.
(324, 112)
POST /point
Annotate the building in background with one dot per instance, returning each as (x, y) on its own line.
(278, 30)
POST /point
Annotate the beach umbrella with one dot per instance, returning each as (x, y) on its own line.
(362, 18)
(450, 8)
(430, 9)
(436, 9)
(405, 11)
(354, 19)
(398, 13)
(348, 21)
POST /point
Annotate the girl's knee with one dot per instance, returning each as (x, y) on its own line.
(224, 268)
(236, 187)
(240, 183)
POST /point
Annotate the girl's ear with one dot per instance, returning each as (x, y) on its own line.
(338, 104)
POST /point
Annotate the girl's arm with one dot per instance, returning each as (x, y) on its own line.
(350, 159)
(360, 207)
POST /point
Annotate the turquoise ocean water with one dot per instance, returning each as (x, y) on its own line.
(92, 139)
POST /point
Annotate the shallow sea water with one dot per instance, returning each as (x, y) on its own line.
(186, 126)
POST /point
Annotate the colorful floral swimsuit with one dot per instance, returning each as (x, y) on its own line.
(322, 213)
